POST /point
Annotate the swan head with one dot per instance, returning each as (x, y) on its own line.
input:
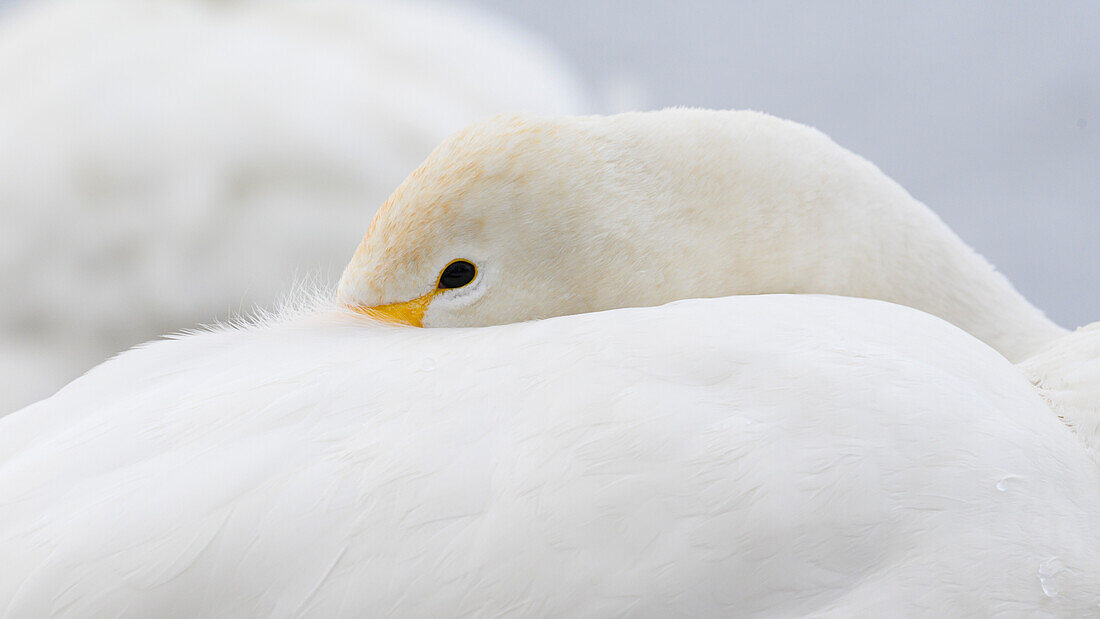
(512, 219)
(519, 218)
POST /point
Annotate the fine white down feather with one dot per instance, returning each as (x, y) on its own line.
(1067, 376)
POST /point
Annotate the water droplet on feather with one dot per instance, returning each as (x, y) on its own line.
(1004, 483)
(1048, 575)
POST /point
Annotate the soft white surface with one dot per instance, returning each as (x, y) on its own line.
(167, 163)
(777, 454)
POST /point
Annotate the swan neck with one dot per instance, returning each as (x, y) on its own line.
(786, 210)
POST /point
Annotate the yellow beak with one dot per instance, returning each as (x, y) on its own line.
(406, 313)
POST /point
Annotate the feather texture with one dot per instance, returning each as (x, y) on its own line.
(766, 454)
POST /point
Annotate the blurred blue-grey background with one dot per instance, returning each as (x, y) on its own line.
(165, 163)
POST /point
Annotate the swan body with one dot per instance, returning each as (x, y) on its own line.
(577, 214)
(756, 454)
(165, 164)
(773, 455)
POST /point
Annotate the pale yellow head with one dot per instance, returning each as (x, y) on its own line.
(513, 197)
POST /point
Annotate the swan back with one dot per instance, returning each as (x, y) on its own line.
(772, 454)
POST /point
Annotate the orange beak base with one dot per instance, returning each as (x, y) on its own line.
(409, 313)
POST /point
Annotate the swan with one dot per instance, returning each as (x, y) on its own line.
(145, 145)
(772, 455)
(560, 216)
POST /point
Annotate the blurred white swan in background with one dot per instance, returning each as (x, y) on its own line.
(167, 163)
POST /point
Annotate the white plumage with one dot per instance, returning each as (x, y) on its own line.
(771, 454)
(1067, 375)
(169, 163)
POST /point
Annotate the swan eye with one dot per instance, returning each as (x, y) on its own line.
(457, 274)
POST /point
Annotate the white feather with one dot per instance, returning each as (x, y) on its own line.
(1067, 375)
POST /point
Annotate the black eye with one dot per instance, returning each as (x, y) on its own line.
(457, 274)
